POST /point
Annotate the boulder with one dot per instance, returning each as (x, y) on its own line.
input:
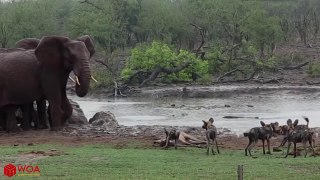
(77, 116)
(105, 119)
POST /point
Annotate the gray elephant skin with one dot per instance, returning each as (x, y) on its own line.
(28, 75)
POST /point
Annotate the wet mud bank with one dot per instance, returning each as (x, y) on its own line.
(214, 91)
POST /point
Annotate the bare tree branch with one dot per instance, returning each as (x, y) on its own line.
(93, 5)
(202, 32)
(106, 65)
(227, 74)
(155, 73)
(296, 67)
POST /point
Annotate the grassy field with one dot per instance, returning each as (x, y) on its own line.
(107, 162)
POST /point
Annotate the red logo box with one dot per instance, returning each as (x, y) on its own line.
(10, 170)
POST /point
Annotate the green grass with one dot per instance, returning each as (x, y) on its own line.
(106, 162)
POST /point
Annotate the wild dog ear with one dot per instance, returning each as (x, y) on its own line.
(276, 123)
(295, 123)
(262, 123)
(289, 122)
(204, 126)
(211, 120)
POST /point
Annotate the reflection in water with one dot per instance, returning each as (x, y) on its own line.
(189, 112)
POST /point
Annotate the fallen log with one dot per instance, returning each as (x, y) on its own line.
(264, 81)
(239, 80)
(235, 117)
(312, 83)
(227, 74)
(296, 67)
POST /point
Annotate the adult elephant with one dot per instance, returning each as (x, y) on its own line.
(28, 75)
(28, 111)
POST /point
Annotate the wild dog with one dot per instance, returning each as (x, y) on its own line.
(183, 137)
(211, 134)
(276, 128)
(302, 126)
(264, 133)
(296, 127)
(172, 135)
(299, 135)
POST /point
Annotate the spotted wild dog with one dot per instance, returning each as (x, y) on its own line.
(299, 135)
(264, 133)
(297, 127)
(172, 135)
(211, 134)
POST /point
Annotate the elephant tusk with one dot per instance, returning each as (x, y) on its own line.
(77, 80)
(71, 79)
(94, 79)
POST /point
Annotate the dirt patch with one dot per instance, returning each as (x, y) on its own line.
(122, 137)
(33, 156)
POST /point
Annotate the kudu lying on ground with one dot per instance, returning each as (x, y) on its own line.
(300, 134)
(264, 133)
(181, 136)
(211, 134)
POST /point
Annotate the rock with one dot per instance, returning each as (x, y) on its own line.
(105, 119)
(77, 116)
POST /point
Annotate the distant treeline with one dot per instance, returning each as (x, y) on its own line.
(228, 34)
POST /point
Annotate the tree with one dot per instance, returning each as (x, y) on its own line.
(149, 62)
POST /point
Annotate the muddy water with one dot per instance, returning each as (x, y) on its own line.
(269, 106)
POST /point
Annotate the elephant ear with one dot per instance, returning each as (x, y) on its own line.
(51, 49)
(28, 43)
(88, 42)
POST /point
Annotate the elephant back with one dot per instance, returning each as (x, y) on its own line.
(28, 43)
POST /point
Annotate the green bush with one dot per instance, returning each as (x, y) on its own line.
(288, 59)
(103, 77)
(148, 58)
(314, 70)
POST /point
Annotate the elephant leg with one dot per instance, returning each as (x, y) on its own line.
(3, 119)
(26, 115)
(11, 119)
(49, 116)
(55, 113)
(42, 114)
(66, 108)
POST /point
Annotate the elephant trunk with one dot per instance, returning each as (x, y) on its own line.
(84, 80)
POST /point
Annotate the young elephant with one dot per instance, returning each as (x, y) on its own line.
(211, 134)
(264, 133)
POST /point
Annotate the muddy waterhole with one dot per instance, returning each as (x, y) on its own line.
(272, 106)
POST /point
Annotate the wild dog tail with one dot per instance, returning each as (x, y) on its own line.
(246, 134)
(307, 120)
